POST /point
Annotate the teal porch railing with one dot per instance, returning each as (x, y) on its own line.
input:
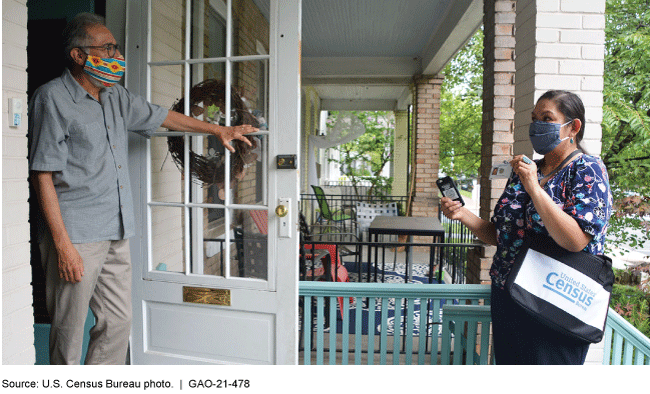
(405, 324)
(624, 344)
(466, 335)
(420, 324)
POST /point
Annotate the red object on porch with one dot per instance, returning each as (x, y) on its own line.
(261, 219)
(337, 271)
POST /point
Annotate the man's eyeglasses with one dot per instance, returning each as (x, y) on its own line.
(110, 49)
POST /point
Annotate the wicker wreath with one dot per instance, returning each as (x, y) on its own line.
(207, 98)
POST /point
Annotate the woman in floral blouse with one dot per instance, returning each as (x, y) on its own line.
(565, 195)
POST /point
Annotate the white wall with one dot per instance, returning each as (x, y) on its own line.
(560, 45)
(17, 311)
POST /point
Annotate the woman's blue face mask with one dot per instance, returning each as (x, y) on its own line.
(545, 136)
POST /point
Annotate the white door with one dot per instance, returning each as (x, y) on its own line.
(213, 283)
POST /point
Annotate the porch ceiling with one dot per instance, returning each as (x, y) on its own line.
(362, 54)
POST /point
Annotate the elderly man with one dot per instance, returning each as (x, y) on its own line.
(78, 163)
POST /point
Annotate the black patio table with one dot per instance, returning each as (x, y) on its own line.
(410, 226)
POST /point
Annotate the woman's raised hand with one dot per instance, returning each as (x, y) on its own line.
(451, 209)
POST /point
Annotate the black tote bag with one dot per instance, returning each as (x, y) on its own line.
(567, 291)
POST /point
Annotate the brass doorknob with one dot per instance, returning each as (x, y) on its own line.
(281, 211)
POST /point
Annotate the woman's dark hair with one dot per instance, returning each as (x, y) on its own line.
(571, 107)
(76, 35)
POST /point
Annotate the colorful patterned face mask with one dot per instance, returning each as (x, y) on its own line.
(108, 71)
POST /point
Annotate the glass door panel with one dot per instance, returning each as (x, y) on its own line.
(167, 243)
(166, 178)
(214, 67)
(251, 240)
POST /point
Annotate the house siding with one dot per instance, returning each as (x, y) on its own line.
(167, 23)
(17, 311)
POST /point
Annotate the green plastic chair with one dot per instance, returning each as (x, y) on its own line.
(325, 212)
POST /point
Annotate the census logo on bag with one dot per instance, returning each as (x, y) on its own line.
(565, 290)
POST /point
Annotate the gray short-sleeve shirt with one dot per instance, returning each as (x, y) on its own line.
(83, 142)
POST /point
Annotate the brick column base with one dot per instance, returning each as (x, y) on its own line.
(479, 261)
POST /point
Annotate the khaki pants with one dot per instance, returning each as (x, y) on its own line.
(105, 287)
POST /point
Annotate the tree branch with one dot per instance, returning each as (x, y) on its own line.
(614, 164)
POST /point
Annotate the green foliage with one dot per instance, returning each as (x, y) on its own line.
(464, 73)
(626, 116)
(628, 226)
(460, 135)
(365, 158)
(460, 126)
(631, 296)
(633, 305)
(461, 111)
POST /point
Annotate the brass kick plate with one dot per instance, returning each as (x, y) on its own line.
(203, 295)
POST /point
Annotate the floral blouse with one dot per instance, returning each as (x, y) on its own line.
(581, 189)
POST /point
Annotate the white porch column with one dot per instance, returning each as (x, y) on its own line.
(401, 154)
(560, 44)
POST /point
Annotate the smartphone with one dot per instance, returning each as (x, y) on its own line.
(448, 189)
